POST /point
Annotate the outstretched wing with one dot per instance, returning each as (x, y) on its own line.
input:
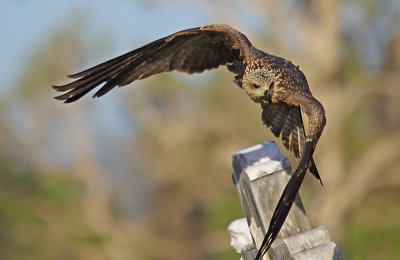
(286, 121)
(191, 51)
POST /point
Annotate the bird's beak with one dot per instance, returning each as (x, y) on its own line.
(266, 89)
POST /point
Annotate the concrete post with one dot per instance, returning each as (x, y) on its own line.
(260, 174)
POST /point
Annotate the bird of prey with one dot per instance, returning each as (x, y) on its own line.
(275, 83)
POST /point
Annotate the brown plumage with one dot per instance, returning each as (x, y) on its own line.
(278, 85)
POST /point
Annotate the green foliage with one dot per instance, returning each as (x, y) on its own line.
(374, 231)
(40, 215)
(357, 131)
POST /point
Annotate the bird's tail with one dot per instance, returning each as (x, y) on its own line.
(314, 171)
(286, 200)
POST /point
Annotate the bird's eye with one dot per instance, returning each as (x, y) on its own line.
(255, 87)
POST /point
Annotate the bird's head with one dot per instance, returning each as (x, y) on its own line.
(258, 84)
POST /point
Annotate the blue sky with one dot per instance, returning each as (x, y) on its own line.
(25, 24)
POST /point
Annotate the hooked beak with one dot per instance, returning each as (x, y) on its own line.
(268, 90)
(265, 89)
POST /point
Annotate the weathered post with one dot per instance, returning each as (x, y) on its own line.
(260, 174)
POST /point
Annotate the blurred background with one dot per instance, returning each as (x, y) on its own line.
(145, 171)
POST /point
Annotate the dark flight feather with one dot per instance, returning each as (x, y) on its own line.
(190, 51)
